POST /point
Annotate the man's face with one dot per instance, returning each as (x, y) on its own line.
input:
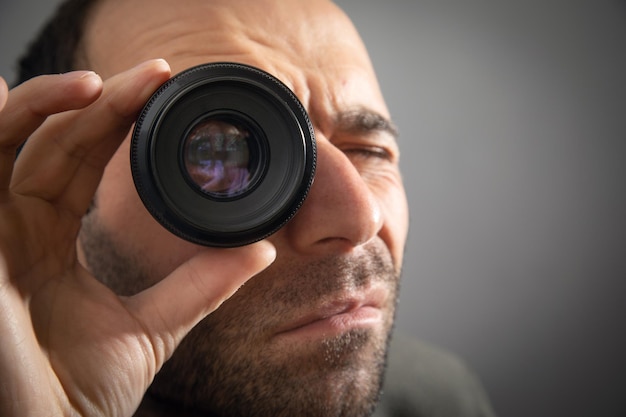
(308, 335)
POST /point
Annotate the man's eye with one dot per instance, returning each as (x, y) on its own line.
(367, 153)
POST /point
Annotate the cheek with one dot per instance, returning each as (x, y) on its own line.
(121, 211)
(394, 208)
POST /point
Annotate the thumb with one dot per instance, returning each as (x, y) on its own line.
(172, 307)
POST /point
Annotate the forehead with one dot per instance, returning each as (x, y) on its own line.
(308, 44)
(305, 33)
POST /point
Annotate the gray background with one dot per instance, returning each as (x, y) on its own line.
(513, 124)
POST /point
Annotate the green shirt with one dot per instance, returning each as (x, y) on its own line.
(423, 381)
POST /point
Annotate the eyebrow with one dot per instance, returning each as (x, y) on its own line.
(362, 120)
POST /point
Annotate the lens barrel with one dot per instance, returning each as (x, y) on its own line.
(223, 154)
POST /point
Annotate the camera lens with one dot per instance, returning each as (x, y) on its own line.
(216, 156)
(223, 154)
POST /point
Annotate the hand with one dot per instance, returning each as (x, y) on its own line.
(70, 346)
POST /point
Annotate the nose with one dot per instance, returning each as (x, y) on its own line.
(340, 212)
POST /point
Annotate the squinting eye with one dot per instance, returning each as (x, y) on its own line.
(367, 153)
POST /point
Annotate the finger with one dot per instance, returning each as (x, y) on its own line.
(171, 308)
(27, 106)
(4, 93)
(21, 360)
(31, 102)
(64, 160)
(5, 170)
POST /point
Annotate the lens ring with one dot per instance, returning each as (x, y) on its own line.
(286, 157)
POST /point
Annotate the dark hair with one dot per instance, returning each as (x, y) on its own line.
(55, 49)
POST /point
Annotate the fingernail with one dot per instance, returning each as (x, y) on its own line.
(80, 75)
(89, 74)
(89, 80)
(158, 63)
(158, 71)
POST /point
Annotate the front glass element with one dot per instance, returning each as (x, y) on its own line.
(216, 156)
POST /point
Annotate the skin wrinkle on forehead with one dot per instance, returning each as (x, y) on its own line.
(225, 27)
(186, 45)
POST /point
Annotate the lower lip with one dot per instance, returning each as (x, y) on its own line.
(362, 317)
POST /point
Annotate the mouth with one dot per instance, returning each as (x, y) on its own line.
(344, 312)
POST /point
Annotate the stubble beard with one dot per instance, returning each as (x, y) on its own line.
(231, 364)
